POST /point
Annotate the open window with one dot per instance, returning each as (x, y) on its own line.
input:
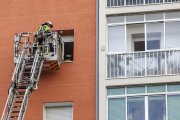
(67, 45)
(138, 40)
(135, 37)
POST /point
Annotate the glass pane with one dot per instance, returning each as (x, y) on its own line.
(171, 88)
(135, 90)
(157, 108)
(134, 18)
(153, 1)
(140, 2)
(108, 66)
(170, 15)
(154, 16)
(115, 19)
(116, 66)
(155, 35)
(108, 3)
(135, 33)
(172, 34)
(120, 2)
(115, 91)
(116, 38)
(136, 109)
(59, 113)
(154, 89)
(134, 2)
(113, 66)
(173, 107)
(116, 109)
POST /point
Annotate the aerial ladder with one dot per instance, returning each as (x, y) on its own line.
(30, 59)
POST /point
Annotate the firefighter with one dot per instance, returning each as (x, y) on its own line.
(42, 33)
(44, 28)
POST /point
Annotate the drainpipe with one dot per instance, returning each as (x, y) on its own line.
(97, 59)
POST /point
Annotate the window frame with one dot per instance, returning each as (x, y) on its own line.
(65, 34)
(59, 104)
(125, 23)
(146, 95)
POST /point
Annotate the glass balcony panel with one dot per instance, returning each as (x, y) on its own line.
(108, 3)
(172, 60)
(108, 66)
(116, 66)
(114, 3)
(136, 64)
(121, 65)
(113, 67)
(153, 63)
(142, 63)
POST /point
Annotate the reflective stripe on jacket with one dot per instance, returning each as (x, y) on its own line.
(44, 28)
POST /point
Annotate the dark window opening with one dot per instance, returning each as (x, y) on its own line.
(67, 44)
(68, 51)
(139, 46)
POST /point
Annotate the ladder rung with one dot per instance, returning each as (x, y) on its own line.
(24, 80)
(28, 63)
(23, 84)
(21, 87)
(25, 77)
(15, 111)
(21, 93)
(12, 117)
(18, 101)
(26, 72)
(19, 97)
(16, 106)
(28, 66)
(27, 69)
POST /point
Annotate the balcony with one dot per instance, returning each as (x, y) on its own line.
(143, 63)
(123, 3)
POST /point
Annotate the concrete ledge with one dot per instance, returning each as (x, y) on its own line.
(143, 80)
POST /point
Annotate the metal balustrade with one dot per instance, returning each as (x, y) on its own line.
(118, 3)
(143, 63)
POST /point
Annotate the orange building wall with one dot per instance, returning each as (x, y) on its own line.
(74, 81)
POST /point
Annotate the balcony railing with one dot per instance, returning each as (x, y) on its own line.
(143, 63)
(118, 3)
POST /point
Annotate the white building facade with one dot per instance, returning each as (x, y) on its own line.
(139, 59)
